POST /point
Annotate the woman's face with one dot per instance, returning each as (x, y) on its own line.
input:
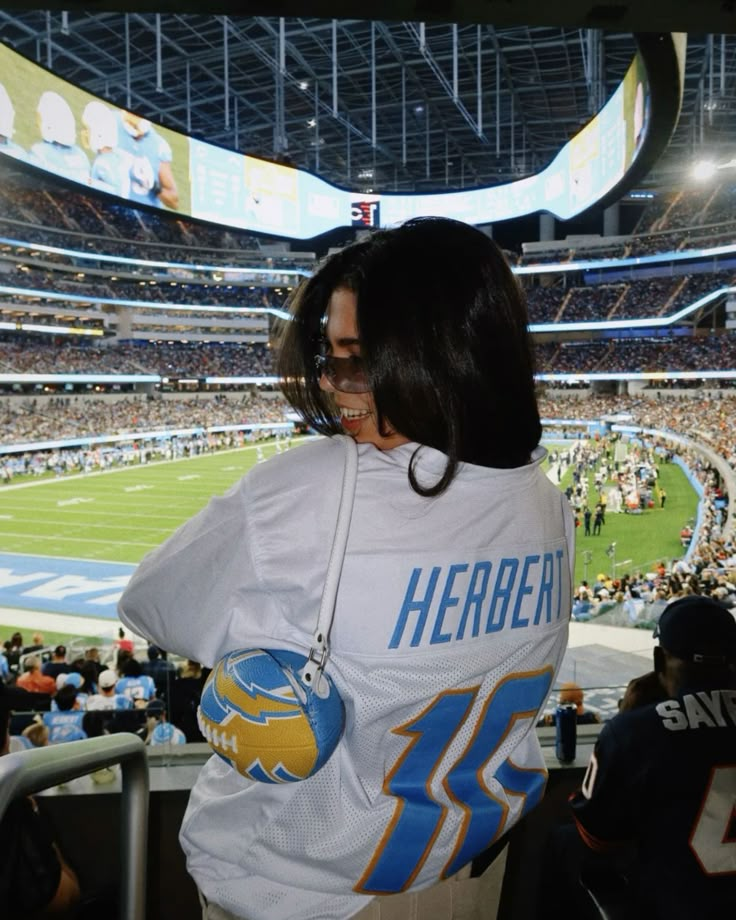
(357, 410)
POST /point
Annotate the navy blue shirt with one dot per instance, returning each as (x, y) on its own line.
(663, 777)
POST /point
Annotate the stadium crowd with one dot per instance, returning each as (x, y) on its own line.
(167, 292)
(713, 351)
(691, 218)
(163, 358)
(652, 296)
(28, 419)
(80, 692)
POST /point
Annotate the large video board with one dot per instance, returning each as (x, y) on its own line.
(55, 126)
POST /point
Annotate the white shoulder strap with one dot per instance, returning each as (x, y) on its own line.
(320, 642)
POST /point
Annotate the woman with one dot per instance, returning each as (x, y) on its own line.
(451, 618)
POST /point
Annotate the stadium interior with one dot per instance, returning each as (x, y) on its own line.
(137, 338)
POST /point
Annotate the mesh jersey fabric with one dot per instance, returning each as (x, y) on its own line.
(450, 624)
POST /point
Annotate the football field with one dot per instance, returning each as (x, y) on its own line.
(117, 515)
(69, 545)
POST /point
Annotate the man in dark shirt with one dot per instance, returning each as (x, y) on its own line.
(660, 788)
(160, 669)
(58, 664)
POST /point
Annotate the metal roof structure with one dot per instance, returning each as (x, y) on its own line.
(383, 105)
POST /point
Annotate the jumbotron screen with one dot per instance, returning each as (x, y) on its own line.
(53, 125)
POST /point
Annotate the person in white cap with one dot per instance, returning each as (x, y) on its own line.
(107, 698)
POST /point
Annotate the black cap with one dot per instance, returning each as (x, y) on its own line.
(697, 629)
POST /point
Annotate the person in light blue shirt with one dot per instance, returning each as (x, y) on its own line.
(134, 684)
(151, 179)
(163, 732)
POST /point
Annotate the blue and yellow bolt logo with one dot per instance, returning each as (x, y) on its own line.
(254, 714)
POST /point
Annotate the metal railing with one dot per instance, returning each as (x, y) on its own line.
(26, 772)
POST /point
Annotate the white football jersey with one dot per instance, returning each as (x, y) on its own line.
(450, 625)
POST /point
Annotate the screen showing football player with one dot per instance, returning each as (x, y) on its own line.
(111, 166)
(151, 179)
(58, 151)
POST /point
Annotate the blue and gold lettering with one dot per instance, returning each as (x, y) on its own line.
(517, 620)
(448, 600)
(545, 589)
(559, 554)
(475, 598)
(501, 592)
(411, 605)
(450, 603)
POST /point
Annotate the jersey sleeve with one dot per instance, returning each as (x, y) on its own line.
(184, 595)
(603, 805)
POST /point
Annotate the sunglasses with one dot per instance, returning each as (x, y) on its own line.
(347, 375)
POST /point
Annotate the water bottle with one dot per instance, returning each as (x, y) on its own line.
(566, 724)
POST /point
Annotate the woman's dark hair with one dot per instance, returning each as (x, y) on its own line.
(443, 333)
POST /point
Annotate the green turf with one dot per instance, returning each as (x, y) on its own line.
(51, 637)
(642, 540)
(117, 516)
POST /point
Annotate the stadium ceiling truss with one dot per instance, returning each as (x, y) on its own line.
(382, 106)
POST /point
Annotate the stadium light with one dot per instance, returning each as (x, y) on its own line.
(706, 169)
(703, 170)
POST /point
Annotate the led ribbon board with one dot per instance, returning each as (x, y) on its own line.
(58, 127)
